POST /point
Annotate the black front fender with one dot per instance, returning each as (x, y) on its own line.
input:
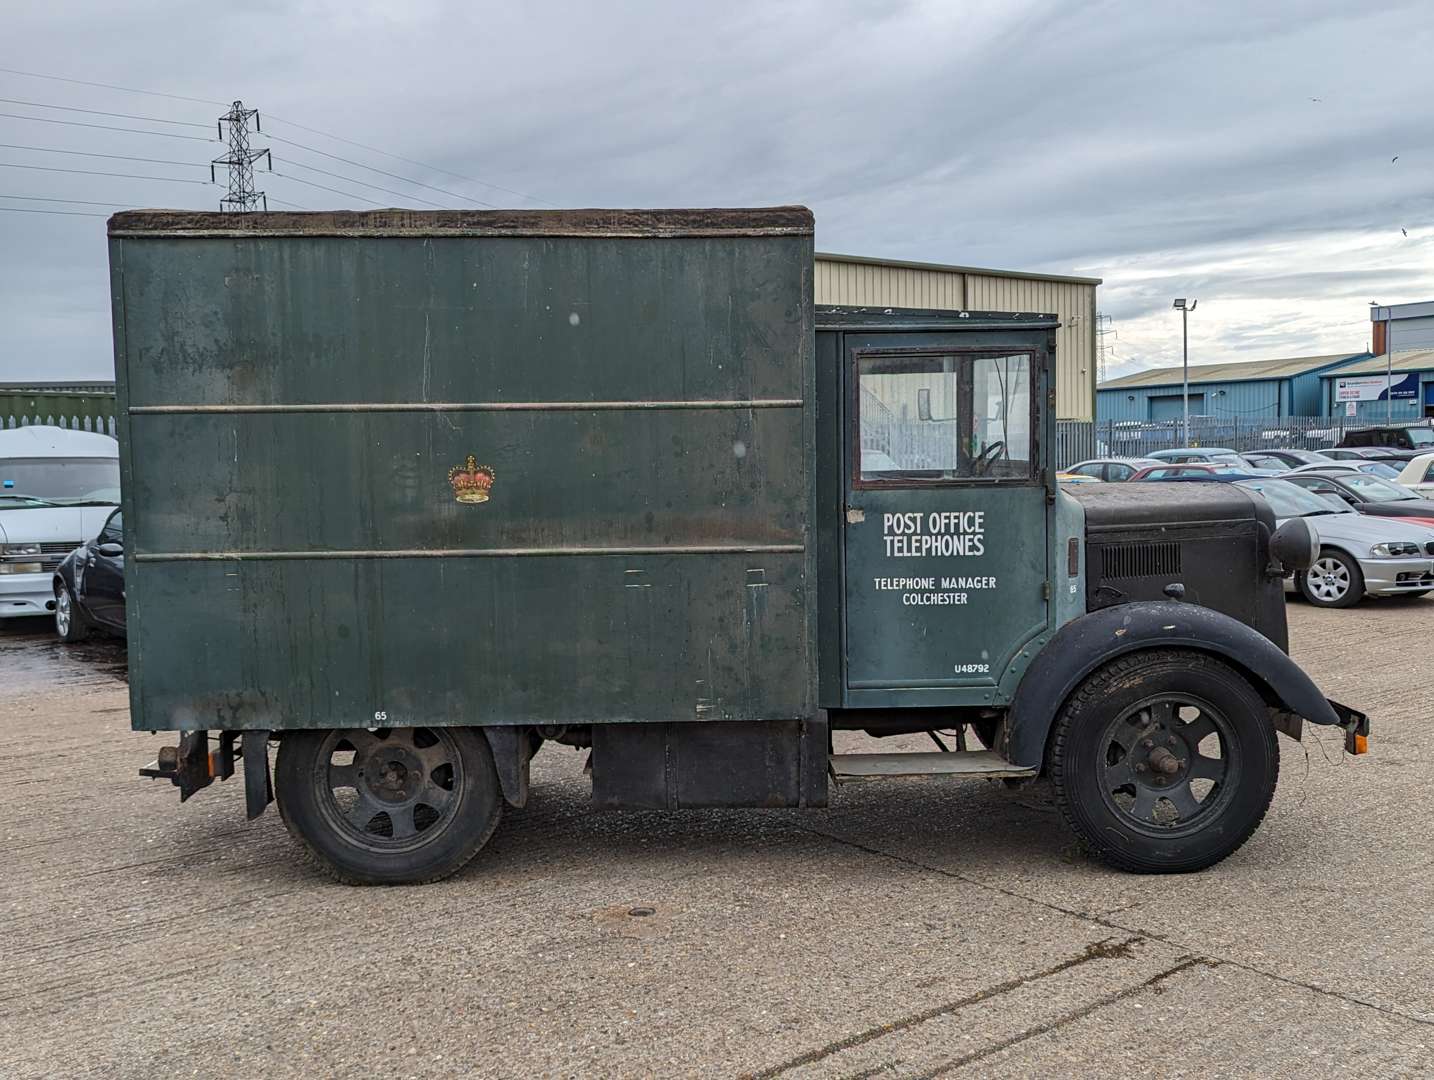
(1087, 642)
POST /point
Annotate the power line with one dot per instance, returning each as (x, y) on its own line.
(302, 127)
(336, 191)
(111, 86)
(99, 112)
(381, 172)
(409, 161)
(76, 202)
(103, 127)
(62, 213)
(91, 172)
(86, 153)
(363, 183)
(281, 202)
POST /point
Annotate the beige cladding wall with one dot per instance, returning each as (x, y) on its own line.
(882, 285)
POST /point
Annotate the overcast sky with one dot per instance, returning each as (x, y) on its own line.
(1238, 153)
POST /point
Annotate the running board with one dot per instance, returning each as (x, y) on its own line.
(956, 764)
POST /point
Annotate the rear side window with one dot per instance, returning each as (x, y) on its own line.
(1429, 473)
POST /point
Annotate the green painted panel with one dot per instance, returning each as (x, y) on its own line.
(344, 481)
(328, 643)
(295, 390)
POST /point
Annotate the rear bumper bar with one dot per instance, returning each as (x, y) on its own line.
(191, 765)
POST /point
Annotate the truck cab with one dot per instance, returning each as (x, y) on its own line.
(662, 508)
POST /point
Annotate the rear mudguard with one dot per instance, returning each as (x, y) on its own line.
(1087, 642)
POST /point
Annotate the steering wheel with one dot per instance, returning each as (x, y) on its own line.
(982, 465)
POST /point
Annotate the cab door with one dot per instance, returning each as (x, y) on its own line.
(945, 531)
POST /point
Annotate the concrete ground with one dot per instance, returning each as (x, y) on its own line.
(915, 929)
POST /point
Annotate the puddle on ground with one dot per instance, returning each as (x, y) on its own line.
(33, 658)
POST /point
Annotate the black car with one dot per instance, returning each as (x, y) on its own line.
(1367, 494)
(1398, 442)
(89, 585)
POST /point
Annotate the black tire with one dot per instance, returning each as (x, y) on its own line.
(1166, 705)
(395, 806)
(1337, 580)
(70, 622)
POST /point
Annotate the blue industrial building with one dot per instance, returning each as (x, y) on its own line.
(1365, 390)
(1251, 390)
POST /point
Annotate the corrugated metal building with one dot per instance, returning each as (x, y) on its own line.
(1410, 326)
(1289, 386)
(850, 279)
(1365, 385)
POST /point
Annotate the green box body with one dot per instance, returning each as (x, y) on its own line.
(300, 396)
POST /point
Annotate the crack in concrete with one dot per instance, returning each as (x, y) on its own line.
(1108, 924)
(1067, 1018)
(1100, 950)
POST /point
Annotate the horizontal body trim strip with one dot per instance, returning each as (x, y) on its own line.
(468, 553)
(471, 406)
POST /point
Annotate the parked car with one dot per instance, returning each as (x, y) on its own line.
(1212, 455)
(56, 488)
(1410, 439)
(1111, 469)
(1359, 555)
(89, 585)
(1353, 453)
(1367, 494)
(1280, 460)
(1197, 471)
(1381, 469)
(1418, 475)
(1076, 478)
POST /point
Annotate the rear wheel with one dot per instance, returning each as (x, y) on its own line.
(70, 621)
(1164, 762)
(393, 806)
(1333, 581)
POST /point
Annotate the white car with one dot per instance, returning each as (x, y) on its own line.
(57, 487)
(1418, 475)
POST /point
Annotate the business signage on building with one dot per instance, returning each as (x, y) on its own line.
(1372, 387)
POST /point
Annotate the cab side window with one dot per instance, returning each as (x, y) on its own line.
(113, 532)
(1117, 471)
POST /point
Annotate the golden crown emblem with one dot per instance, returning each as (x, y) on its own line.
(471, 481)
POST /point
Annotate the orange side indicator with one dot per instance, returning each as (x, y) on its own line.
(1360, 745)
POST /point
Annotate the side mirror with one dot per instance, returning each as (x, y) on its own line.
(1295, 544)
(923, 404)
(111, 550)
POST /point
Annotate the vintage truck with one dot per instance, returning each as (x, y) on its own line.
(409, 494)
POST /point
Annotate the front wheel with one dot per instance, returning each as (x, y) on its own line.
(70, 621)
(391, 806)
(1164, 762)
(1334, 581)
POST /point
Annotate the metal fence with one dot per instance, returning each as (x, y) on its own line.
(78, 412)
(1077, 440)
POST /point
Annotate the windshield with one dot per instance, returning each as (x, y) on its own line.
(1229, 459)
(1378, 468)
(1309, 457)
(1421, 436)
(1376, 490)
(60, 480)
(1290, 500)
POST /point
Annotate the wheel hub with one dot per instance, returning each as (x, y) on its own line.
(393, 775)
(1160, 758)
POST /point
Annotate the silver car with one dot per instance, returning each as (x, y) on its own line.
(1360, 555)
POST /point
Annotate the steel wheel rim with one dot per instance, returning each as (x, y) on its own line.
(1328, 579)
(1153, 773)
(397, 792)
(62, 612)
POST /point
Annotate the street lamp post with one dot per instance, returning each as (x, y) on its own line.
(1185, 307)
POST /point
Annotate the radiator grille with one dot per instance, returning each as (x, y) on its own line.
(1140, 560)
